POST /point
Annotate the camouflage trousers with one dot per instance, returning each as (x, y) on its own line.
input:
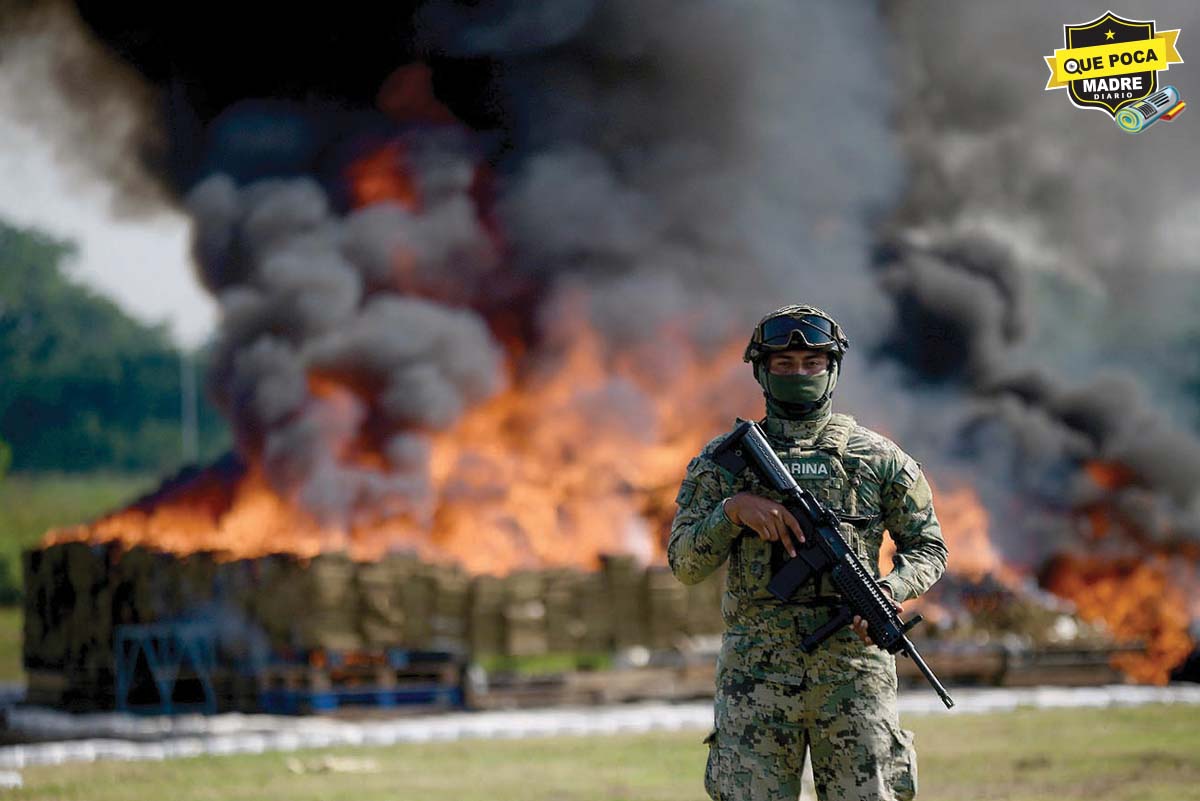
(840, 704)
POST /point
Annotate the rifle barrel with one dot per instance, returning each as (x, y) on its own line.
(915, 656)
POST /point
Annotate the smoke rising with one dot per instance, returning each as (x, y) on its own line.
(300, 294)
(1023, 259)
(663, 180)
(664, 176)
(95, 111)
(665, 150)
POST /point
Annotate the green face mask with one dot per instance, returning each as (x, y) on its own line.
(799, 388)
(796, 397)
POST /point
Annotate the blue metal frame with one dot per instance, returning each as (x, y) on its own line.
(168, 647)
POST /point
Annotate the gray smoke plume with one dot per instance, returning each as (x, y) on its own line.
(671, 170)
(672, 174)
(1037, 264)
(685, 166)
(302, 296)
(94, 110)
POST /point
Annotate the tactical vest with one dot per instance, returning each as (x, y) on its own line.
(824, 469)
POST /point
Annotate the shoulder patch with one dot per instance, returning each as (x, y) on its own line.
(921, 494)
(687, 491)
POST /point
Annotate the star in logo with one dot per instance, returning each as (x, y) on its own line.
(1108, 34)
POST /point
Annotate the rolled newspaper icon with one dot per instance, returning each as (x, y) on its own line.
(1144, 113)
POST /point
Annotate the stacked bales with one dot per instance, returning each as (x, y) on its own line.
(485, 617)
(284, 607)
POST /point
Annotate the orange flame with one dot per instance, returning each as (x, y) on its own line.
(407, 95)
(1137, 600)
(564, 466)
(965, 525)
(251, 520)
(1109, 475)
(581, 458)
(966, 529)
(383, 175)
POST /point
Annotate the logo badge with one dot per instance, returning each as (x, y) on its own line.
(1111, 64)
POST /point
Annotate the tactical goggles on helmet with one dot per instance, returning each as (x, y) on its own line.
(792, 331)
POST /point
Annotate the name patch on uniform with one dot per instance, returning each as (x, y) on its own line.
(808, 468)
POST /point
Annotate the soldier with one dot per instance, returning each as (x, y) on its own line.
(773, 701)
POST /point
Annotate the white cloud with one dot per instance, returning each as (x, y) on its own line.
(141, 262)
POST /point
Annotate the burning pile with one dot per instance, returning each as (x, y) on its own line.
(282, 610)
(1137, 599)
(480, 308)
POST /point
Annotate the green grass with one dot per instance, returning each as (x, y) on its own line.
(10, 645)
(1148, 753)
(546, 664)
(30, 505)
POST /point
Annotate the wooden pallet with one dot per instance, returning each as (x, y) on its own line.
(975, 667)
(1064, 666)
(327, 681)
(360, 671)
(308, 702)
(523, 692)
(589, 687)
(997, 666)
(72, 692)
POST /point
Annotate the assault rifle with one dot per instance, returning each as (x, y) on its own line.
(824, 551)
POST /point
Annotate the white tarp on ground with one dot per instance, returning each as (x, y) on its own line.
(86, 738)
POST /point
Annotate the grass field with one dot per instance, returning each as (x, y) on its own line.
(1147, 753)
(10, 644)
(29, 506)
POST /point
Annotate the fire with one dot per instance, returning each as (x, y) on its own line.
(569, 474)
(966, 527)
(972, 554)
(242, 517)
(580, 460)
(407, 96)
(1109, 475)
(565, 465)
(581, 456)
(1137, 600)
(383, 175)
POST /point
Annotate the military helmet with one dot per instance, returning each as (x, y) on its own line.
(795, 326)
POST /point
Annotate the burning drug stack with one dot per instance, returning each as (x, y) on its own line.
(485, 274)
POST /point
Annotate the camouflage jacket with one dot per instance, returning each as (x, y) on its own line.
(861, 475)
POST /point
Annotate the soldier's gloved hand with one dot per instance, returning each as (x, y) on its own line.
(859, 626)
(771, 521)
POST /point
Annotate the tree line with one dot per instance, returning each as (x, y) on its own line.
(83, 386)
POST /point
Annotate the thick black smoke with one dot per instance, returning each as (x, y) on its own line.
(1036, 268)
(652, 172)
(683, 168)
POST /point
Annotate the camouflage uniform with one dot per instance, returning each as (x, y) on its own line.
(772, 699)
